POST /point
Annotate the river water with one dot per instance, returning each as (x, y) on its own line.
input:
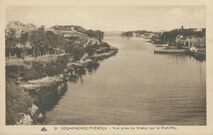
(136, 87)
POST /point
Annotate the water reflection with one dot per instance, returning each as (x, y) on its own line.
(52, 94)
(199, 58)
(49, 96)
(92, 67)
(195, 57)
(75, 73)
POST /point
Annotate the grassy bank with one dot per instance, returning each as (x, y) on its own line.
(31, 69)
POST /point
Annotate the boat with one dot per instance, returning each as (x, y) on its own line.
(166, 50)
(162, 45)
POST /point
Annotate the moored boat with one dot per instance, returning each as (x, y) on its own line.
(169, 51)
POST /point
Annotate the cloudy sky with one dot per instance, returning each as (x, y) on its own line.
(112, 18)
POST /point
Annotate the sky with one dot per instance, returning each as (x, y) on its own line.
(111, 18)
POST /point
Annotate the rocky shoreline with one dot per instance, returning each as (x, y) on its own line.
(48, 90)
(39, 62)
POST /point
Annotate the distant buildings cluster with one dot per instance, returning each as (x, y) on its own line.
(191, 37)
(181, 37)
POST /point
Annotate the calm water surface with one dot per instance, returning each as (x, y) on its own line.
(136, 87)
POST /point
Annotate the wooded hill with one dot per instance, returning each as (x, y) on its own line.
(28, 40)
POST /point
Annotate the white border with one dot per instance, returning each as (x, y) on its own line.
(183, 130)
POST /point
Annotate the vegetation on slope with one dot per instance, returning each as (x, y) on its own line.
(17, 102)
(36, 52)
(22, 40)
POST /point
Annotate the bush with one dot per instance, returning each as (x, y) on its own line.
(38, 70)
(17, 101)
(12, 71)
(77, 52)
(57, 67)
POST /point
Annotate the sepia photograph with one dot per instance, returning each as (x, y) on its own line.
(105, 65)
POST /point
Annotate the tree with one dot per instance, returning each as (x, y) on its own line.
(24, 38)
(38, 41)
(10, 41)
(77, 52)
(52, 41)
(95, 34)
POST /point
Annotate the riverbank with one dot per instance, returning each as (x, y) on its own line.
(43, 81)
(39, 61)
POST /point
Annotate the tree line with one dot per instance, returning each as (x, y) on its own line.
(39, 42)
(35, 43)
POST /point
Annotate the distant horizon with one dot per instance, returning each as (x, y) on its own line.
(105, 30)
(111, 18)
